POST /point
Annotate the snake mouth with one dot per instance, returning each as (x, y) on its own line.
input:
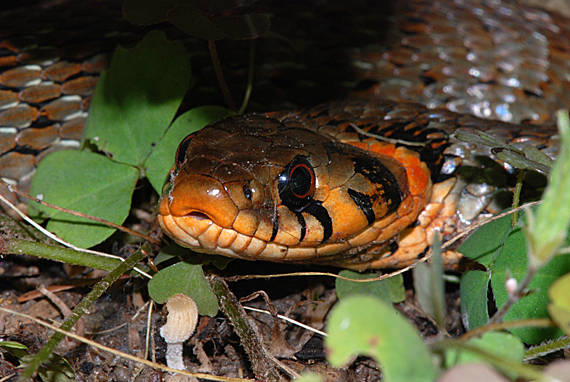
(197, 215)
(197, 231)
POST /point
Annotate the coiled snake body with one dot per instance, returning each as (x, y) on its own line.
(363, 183)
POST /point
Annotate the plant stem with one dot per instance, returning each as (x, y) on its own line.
(517, 196)
(220, 75)
(57, 253)
(263, 365)
(251, 68)
(78, 311)
(514, 297)
(532, 322)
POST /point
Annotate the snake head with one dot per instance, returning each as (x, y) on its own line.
(255, 187)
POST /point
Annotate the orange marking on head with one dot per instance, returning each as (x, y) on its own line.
(383, 148)
(417, 172)
(418, 179)
(360, 145)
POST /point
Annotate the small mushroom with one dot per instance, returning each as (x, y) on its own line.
(180, 324)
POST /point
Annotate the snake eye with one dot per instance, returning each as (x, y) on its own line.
(247, 192)
(297, 183)
(301, 180)
(181, 151)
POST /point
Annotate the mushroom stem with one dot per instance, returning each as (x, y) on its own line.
(174, 356)
(180, 324)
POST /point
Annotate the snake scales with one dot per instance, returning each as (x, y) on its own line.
(494, 60)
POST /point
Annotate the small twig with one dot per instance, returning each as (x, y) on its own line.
(33, 294)
(220, 75)
(533, 322)
(386, 139)
(81, 214)
(326, 274)
(514, 297)
(290, 320)
(62, 306)
(251, 68)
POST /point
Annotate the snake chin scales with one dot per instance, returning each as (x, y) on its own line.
(281, 188)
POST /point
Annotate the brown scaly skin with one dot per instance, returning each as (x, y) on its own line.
(316, 187)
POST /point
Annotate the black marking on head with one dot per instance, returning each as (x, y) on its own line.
(406, 131)
(422, 254)
(321, 214)
(247, 192)
(181, 151)
(394, 246)
(363, 202)
(377, 173)
(275, 226)
(303, 224)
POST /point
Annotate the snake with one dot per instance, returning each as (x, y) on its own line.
(362, 183)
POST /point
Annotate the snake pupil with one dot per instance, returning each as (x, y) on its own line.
(247, 192)
(297, 184)
(301, 180)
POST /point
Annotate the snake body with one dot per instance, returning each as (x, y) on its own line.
(356, 184)
(362, 183)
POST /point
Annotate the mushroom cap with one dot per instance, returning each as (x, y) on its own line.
(181, 320)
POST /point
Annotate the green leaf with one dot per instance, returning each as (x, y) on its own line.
(137, 98)
(473, 292)
(503, 249)
(513, 258)
(389, 290)
(485, 244)
(527, 158)
(559, 308)
(547, 232)
(503, 346)
(162, 158)
(13, 345)
(57, 369)
(429, 285)
(187, 279)
(479, 138)
(88, 183)
(368, 326)
(16, 349)
(535, 155)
